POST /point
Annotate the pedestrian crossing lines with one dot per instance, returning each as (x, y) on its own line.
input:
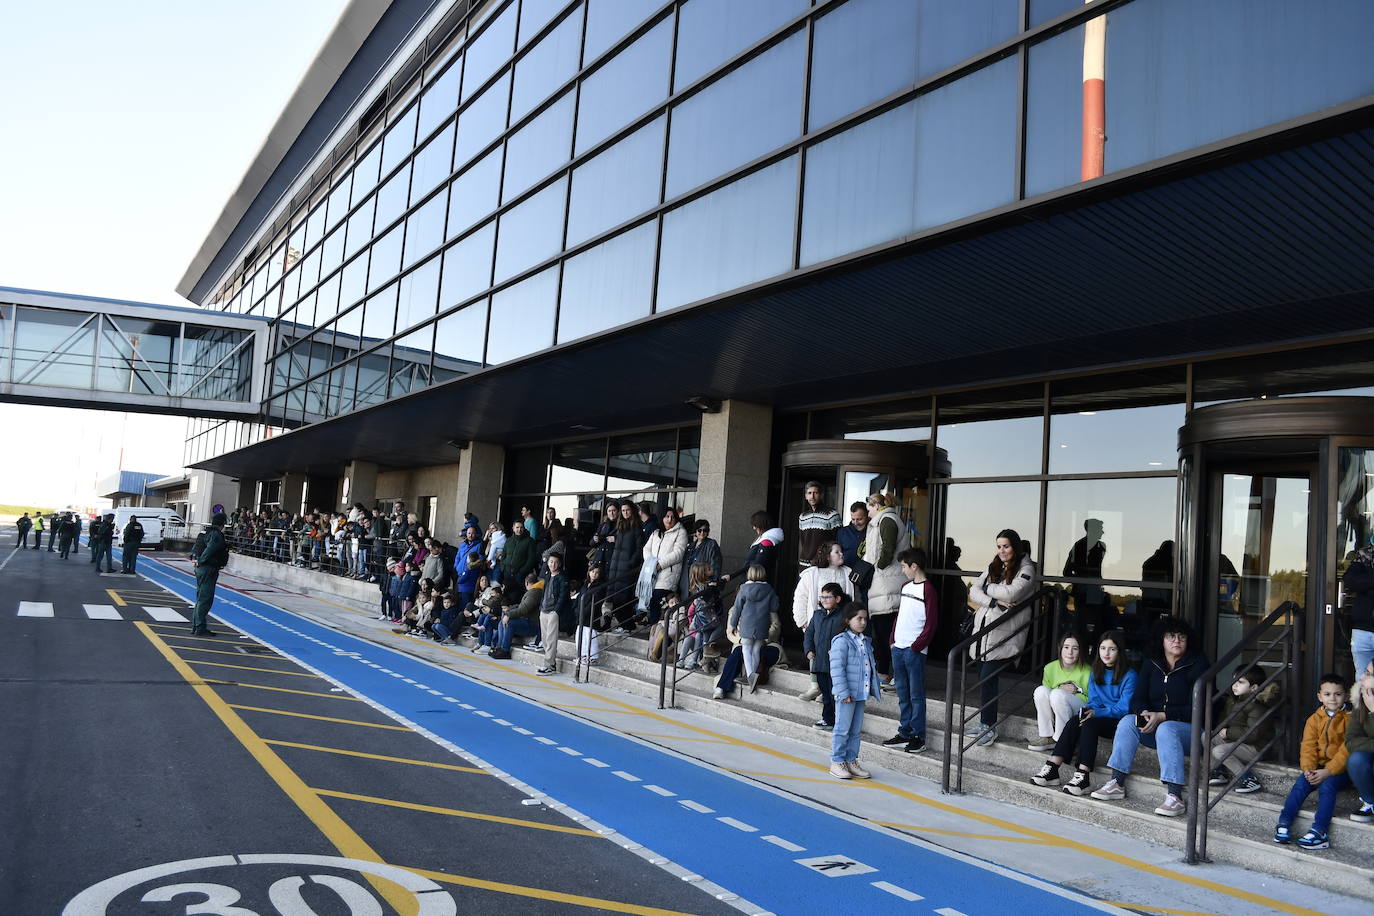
(103, 612)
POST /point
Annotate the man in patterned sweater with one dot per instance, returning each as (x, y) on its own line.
(817, 524)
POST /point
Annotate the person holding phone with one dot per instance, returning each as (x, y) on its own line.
(1161, 716)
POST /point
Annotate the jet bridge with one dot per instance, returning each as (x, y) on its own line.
(83, 351)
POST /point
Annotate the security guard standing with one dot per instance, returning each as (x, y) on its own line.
(66, 533)
(38, 531)
(102, 538)
(210, 555)
(133, 539)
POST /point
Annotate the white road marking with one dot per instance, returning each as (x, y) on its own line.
(101, 612)
(738, 825)
(501, 722)
(659, 790)
(467, 706)
(570, 752)
(628, 777)
(948, 911)
(594, 762)
(521, 731)
(837, 866)
(483, 713)
(697, 806)
(543, 740)
(896, 891)
(165, 614)
(35, 609)
(779, 841)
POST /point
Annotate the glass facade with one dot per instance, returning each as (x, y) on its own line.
(560, 168)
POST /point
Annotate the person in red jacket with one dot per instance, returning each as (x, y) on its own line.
(917, 619)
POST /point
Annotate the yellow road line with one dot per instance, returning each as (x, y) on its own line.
(1140, 907)
(202, 639)
(301, 715)
(971, 836)
(679, 738)
(243, 655)
(348, 753)
(631, 711)
(344, 838)
(758, 774)
(114, 596)
(304, 693)
(196, 661)
(454, 812)
(613, 906)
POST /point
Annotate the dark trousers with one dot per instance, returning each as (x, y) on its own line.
(768, 657)
(827, 689)
(100, 551)
(65, 546)
(52, 536)
(38, 539)
(1081, 738)
(987, 695)
(130, 555)
(880, 631)
(656, 604)
(206, 577)
(23, 538)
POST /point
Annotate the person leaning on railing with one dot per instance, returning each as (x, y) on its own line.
(1009, 580)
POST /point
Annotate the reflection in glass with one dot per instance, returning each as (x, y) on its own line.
(688, 458)
(531, 231)
(410, 359)
(643, 461)
(425, 229)
(863, 51)
(338, 203)
(53, 347)
(432, 164)
(1107, 529)
(616, 184)
(538, 148)
(608, 21)
(136, 356)
(710, 32)
(534, 14)
(399, 141)
(608, 285)
(966, 145)
(393, 198)
(459, 340)
(489, 51)
(527, 471)
(953, 32)
(380, 318)
(467, 267)
(1054, 113)
(752, 110)
(474, 193)
(386, 257)
(522, 317)
(860, 186)
(975, 512)
(991, 448)
(360, 228)
(626, 86)
(578, 466)
(365, 175)
(482, 121)
(419, 294)
(349, 329)
(373, 370)
(353, 282)
(440, 99)
(1131, 439)
(731, 237)
(547, 65)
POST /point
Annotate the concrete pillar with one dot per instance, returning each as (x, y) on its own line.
(481, 466)
(247, 497)
(359, 484)
(732, 481)
(293, 493)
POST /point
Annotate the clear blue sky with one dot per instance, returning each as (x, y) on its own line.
(126, 125)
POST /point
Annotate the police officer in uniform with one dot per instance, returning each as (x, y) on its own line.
(210, 555)
(66, 533)
(133, 539)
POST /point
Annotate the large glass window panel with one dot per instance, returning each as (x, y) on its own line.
(730, 237)
(578, 466)
(531, 231)
(314, 227)
(1045, 10)
(419, 295)
(863, 51)
(527, 471)
(459, 340)
(710, 32)
(53, 347)
(1130, 439)
(353, 281)
(137, 357)
(688, 457)
(425, 229)
(1107, 529)
(338, 202)
(1054, 113)
(392, 199)
(439, 99)
(348, 331)
(617, 184)
(474, 193)
(547, 65)
(643, 461)
(326, 301)
(860, 186)
(539, 147)
(753, 110)
(482, 121)
(608, 285)
(373, 370)
(365, 173)
(992, 434)
(489, 51)
(966, 145)
(534, 15)
(467, 267)
(360, 228)
(379, 321)
(522, 317)
(386, 258)
(410, 361)
(948, 33)
(399, 141)
(973, 513)
(332, 251)
(310, 270)
(610, 20)
(432, 164)
(625, 86)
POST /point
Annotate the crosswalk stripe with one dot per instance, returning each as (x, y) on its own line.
(35, 609)
(101, 612)
(165, 614)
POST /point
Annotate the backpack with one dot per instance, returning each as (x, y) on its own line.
(198, 547)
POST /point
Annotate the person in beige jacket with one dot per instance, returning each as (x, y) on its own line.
(1010, 578)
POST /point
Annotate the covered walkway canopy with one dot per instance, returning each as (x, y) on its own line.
(82, 351)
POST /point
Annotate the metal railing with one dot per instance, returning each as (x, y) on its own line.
(605, 639)
(1043, 623)
(1282, 649)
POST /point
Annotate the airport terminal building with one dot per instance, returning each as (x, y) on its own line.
(1099, 272)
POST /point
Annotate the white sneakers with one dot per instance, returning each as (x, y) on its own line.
(840, 771)
(1112, 791)
(857, 771)
(1172, 806)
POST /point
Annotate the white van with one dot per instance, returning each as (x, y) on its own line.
(152, 521)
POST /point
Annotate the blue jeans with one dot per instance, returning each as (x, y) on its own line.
(1170, 739)
(1326, 800)
(844, 741)
(909, 674)
(1362, 647)
(1360, 768)
(520, 626)
(486, 629)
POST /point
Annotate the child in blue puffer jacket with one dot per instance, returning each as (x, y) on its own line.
(854, 674)
(1110, 688)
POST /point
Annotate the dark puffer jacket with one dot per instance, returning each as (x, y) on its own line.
(1160, 688)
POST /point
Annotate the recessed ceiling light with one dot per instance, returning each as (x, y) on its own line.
(1156, 464)
(1087, 413)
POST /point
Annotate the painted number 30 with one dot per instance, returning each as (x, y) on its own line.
(285, 894)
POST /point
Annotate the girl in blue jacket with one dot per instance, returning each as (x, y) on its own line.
(1110, 689)
(854, 674)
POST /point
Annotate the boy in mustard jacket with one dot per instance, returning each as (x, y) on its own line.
(1323, 759)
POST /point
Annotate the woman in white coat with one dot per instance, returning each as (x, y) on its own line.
(887, 537)
(826, 566)
(1010, 578)
(666, 548)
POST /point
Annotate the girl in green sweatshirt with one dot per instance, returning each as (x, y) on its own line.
(1062, 693)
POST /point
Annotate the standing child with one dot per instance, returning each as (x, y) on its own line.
(917, 620)
(1245, 683)
(854, 671)
(1323, 759)
(825, 624)
(703, 615)
(750, 616)
(1062, 694)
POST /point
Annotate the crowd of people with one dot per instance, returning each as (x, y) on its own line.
(64, 529)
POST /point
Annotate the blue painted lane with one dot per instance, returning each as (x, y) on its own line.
(746, 838)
